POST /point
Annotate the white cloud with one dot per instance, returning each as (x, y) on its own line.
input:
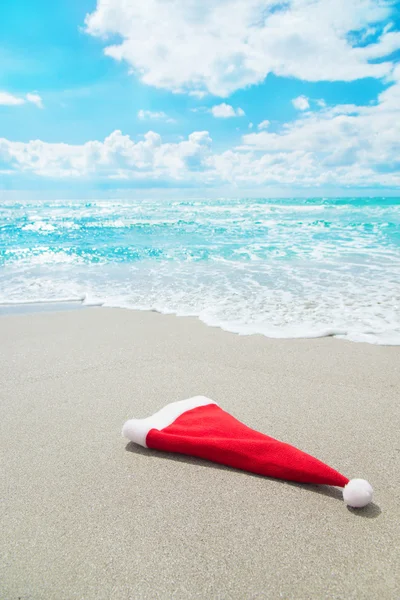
(346, 142)
(144, 115)
(226, 111)
(35, 99)
(197, 94)
(7, 99)
(118, 156)
(301, 103)
(346, 145)
(251, 125)
(263, 125)
(219, 47)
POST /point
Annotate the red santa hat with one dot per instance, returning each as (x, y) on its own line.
(199, 427)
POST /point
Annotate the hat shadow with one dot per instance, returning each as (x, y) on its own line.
(371, 511)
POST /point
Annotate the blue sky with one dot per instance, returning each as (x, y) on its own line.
(209, 94)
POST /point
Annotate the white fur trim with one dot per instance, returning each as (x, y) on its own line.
(357, 493)
(136, 430)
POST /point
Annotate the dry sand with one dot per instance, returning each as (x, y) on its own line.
(86, 516)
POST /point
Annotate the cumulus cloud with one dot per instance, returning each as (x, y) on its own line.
(226, 111)
(34, 98)
(346, 141)
(197, 94)
(301, 103)
(346, 145)
(144, 115)
(7, 99)
(118, 156)
(219, 47)
(263, 124)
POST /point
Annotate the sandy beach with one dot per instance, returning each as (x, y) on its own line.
(86, 515)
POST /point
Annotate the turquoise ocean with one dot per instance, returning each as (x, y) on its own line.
(284, 268)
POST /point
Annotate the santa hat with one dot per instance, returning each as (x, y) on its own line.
(199, 427)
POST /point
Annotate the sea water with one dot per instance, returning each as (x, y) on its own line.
(284, 268)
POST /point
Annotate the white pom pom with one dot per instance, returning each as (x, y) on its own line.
(136, 431)
(357, 493)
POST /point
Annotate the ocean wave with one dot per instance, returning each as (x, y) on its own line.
(277, 268)
(38, 226)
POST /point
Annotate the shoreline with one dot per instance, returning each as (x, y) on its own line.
(54, 306)
(29, 308)
(88, 515)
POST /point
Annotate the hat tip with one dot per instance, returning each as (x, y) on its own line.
(358, 493)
